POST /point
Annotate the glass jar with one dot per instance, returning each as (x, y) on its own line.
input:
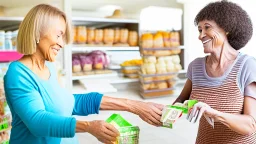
(90, 35)
(98, 36)
(8, 40)
(14, 40)
(108, 36)
(124, 35)
(133, 38)
(2, 40)
(81, 34)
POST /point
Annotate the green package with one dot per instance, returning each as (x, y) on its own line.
(129, 134)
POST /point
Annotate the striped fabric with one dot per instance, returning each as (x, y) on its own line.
(226, 97)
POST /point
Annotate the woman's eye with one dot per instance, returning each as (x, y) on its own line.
(58, 36)
(200, 31)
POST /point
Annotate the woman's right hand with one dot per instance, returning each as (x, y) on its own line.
(103, 131)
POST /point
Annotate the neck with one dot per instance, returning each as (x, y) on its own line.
(38, 60)
(223, 55)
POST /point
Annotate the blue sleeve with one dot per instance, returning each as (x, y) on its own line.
(25, 100)
(86, 104)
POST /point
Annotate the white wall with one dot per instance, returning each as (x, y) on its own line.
(193, 45)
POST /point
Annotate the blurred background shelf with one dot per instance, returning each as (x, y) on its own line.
(83, 48)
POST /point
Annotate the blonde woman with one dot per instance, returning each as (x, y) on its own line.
(41, 109)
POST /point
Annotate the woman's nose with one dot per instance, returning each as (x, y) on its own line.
(201, 35)
(60, 42)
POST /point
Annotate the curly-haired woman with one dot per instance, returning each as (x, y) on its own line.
(224, 82)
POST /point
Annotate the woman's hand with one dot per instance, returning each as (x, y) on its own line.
(200, 109)
(103, 131)
(149, 112)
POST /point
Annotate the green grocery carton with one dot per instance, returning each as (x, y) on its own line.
(129, 134)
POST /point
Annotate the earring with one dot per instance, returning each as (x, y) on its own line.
(37, 41)
(227, 33)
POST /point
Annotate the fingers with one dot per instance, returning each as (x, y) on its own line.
(111, 130)
(198, 116)
(196, 112)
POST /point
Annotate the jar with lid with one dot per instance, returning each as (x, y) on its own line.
(90, 35)
(14, 40)
(98, 36)
(108, 36)
(74, 34)
(117, 36)
(133, 38)
(8, 40)
(81, 34)
(2, 40)
(124, 35)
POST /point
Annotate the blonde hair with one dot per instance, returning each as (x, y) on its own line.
(37, 23)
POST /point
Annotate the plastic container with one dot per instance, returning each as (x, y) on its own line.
(162, 84)
(160, 51)
(14, 40)
(130, 69)
(157, 93)
(8, 40)
(133, 76)
(2, 40)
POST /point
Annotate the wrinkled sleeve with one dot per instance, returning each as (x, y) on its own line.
(27, 103)
(248, 76)
(86, 104)
(189, 71)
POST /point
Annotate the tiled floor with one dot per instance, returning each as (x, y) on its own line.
(182, 133)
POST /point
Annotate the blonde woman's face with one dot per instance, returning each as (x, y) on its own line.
(50, 44)
(211, 35)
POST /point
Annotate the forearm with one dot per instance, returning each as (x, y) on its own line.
(82, 126)
(108, 103)
(242, 124)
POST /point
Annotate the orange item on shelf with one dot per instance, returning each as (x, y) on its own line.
(74, 34)
(147, 40)
(158, 40)
(124, 33)
(81, 34)
(117, 36)
(98, 36)
(108, 36)
(166, 37)
(90, 35)
(133, 38)
(175, 39)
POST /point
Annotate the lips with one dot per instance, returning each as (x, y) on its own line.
(55, 50)
(206, 41)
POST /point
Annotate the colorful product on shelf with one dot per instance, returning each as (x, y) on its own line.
(5, 117)
(131, 68)
(95, 62)
(105, 37)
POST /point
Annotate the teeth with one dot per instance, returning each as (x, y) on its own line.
(206, 41)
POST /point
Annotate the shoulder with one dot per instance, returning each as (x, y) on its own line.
(18, 74)
(197, 61)
(248, 64)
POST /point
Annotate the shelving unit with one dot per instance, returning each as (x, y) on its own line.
(84, 48)
(130, 24)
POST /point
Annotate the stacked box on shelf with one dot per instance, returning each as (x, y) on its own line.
(161, 63)
(131, 68)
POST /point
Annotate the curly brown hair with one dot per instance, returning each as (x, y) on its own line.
(230, 17)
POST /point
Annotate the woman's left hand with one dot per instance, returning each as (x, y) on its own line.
(200, 109)
(149, 112)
